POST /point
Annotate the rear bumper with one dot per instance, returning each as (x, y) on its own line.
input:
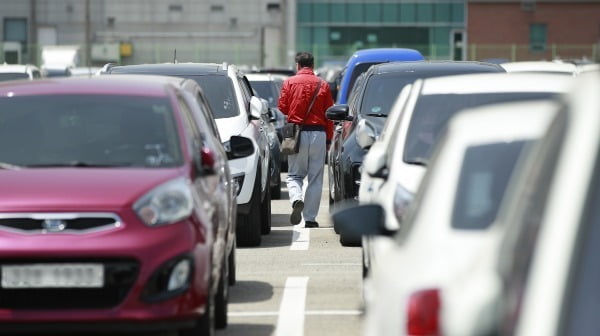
(101, 328)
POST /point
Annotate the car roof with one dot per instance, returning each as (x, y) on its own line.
(172, 69)
(130, 85)
(384, 55)
(259, 77)
(540, 66)
(435, 66)
(497, 82)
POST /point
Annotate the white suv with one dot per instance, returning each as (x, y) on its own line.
(236, 112)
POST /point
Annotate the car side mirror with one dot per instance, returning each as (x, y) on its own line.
(265, 109)
(256, 108)
(338, 112)
(363, 220)
(238, 147)
(365, 134)
(375, 162)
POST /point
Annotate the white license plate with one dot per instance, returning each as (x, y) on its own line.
(53, 276)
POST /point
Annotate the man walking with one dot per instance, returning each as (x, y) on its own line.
(295, 99)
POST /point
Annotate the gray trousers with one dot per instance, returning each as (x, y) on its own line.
(309, 162)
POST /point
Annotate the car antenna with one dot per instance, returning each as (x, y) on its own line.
(175, 56)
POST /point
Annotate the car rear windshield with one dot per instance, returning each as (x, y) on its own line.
(266, 90)
(220, 93)
(12, 76)
(88, 130)
(432, 112)
(484, 176)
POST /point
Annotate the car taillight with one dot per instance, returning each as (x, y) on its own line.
(423, 313)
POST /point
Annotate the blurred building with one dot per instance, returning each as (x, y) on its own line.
(519, 30)
(269, 32)
(138, 31)
(336, 28)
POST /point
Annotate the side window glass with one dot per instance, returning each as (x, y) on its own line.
(245, 94)
(188, 121)
(203, 104)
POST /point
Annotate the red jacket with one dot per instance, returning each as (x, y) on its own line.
(295, 97)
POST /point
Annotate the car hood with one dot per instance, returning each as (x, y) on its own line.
(77, 189)
(229, 127)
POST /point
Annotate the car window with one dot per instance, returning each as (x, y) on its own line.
(246, 93)
(519, 243)
(581, 301)
(381, 93)
(483, 178)
(58, 130)
(266, 90)
(190, 124)
(12, 76)
(357, 71)
(206, 115)
(432, 112)
(220, 93)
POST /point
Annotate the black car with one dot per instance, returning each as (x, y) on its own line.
(370, 101)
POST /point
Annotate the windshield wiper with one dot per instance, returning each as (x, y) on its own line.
(377, 115)
(4, 165)
(81, 164)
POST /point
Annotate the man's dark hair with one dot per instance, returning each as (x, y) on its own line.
(305, 59)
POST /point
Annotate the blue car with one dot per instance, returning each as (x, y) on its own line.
(361, 60)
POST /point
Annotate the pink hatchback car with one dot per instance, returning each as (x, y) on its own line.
(103, 220)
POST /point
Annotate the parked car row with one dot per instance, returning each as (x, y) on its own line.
(476, 212)
(124, 196)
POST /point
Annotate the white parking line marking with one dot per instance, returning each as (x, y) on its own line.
(291, 310)
(306, 313)
(300, 238)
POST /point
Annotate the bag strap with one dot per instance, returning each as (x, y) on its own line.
(312, 101)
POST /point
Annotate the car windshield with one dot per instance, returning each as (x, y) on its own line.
(6, 76)
(220, 94)
(484, 176)
(266, 90)
(381, 93)
(432, 112)
(88, 131)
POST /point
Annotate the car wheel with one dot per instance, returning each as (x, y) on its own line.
(265, 213)
(248, 226)
(231, 277)
(205, 325)
(222, 298)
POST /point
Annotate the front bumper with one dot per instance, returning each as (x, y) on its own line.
(148, 249)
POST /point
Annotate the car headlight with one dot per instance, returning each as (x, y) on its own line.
(166, 204)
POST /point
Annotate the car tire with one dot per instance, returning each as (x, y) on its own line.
(221, 298)
(248, 226)
(231, 277)
(265, 213)
(205, 325)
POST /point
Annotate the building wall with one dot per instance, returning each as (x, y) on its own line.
(333, 29)
(211, 31)
(573, 27)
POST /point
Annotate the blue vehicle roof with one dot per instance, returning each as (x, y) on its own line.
(377, 55)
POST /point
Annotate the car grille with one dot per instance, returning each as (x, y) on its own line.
(119, 277)
(58, 222)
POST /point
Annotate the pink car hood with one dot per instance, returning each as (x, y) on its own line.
(77, 189)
